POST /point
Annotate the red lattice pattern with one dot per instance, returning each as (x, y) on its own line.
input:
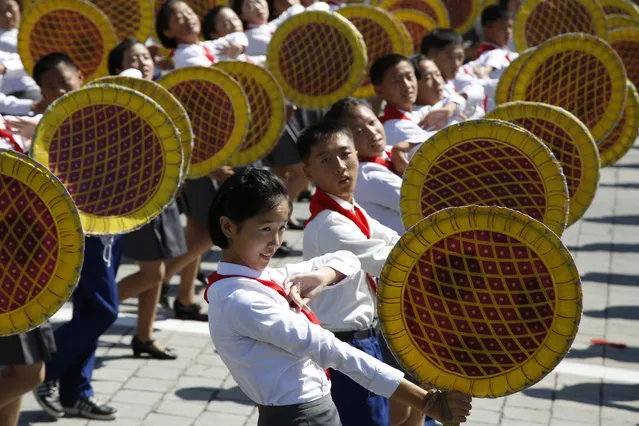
(561, 145)
(611, 9)
(28, 244)
(552, 18)
(316, 59)
(125, 16)
(422, 6)
(211, 113)
(484, 172)
(459, 11)
(108, 158)
(72, 33)
(629, 53)
(377, 41)
(417, 33)
(611, 140)
(479, 303)
(201, 7)
(576, 81)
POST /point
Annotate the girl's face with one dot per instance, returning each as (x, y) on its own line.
(227, 22)
(253, 242)
(184, 24)
(368, 132)
(255, 11)
(138, 57)
(431, 84)
(9, 14)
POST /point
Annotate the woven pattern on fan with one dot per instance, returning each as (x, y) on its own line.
(41, 244)
(435, 9)
(579, 73)
(623, 136)
(77, 28)
(621, 21)
(129, 18)
(570, 142)
(489, 168)
(200, 7)
(625, 41)
(504, 89)
(463, 13)
(619, 7)
(418, 25)
(482, 300)
(540, 20)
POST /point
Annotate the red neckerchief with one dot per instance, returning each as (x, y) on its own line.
(485, 47)
(322, 201)
(207, 52)
(7, 135)
(386, 161)
(391, 113)
(214, 277)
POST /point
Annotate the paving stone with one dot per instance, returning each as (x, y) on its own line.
(484, 416)
(231, 407)
(155, 419)
(136, 397)
(129, 410)
(528, 414)
(200, 370)
(213, 419)
(184, 409)
(158, 372)
(144, 384)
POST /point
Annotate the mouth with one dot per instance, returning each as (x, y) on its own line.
(344, 180)
(266, 256)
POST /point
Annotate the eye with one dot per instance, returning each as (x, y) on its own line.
(266, 229)
(282, 228)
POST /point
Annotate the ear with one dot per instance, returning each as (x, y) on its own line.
(80, 76)
(307, 171)
(229, 229)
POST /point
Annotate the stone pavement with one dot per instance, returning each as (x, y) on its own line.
(594, 385)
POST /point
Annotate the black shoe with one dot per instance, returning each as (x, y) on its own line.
(295, 225)
(48, 396)
(201, 277)
(91, 409)
(283, 251)
(139, 347)
(305, 195)
(164, 296)
(189, 312)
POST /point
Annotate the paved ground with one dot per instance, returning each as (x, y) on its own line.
(595, 385)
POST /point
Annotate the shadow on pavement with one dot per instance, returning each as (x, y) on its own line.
(201, 393)
(617, 220)
(609, 278)
(622, 312)
(628, 354)
(609, 395)
(621, 185)
(614, 247)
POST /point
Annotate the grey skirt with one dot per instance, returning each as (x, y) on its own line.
(28, 348)
(197, 197)
(321, 412)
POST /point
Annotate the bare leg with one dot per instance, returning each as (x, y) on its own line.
(198, 242)
(150, 275)
(16, 380)
(10, 413)
(186, 290)
(148, 299)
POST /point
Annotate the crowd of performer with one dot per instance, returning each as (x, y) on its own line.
(352, 157)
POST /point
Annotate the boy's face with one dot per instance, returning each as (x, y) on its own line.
(184, 24)
(138, 57)
(227, 22)
(255, 11)
(500, 32)
(431, 84)
(281, 6)
(58, 81)
(448, 59)
(399, 86)
(368, 132)
(9, 14)
(332, 164)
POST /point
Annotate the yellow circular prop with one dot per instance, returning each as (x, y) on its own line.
(382, 36)
(625, 41)
(267, 106)
(481, 300)
(621, 21)
(116, 151)
(171, 106)
(314, 74)
(486, 162)
(504, 89)
(539, 20)
(435, 9)
(568, 139)
(41, 244)
(418, 25)
(580, 73)
(200, 7)
(74, 27)
(623, 136)
(219, 113)
(130, 18)
(620, 7)
(463, 13)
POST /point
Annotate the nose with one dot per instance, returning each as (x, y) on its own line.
(277, 238)
(341, 165)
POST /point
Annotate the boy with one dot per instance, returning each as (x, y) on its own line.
(494, 54)
(95, 300)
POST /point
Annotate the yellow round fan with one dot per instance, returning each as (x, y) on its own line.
(568, 139)
(486, 162)
(171, 106)
(620, 7)
(504, 89)
(382, 36)
(539, 20)
(625, 41)
(75, 27)
(219, 113)
(481, 300)
(463, 13)
(417, 23)
(41, 244)
(435, 9)
(314, 74)
(200, 7)
(580, 73)
(267, 106)
(625, 133)
(621, 21)
(116, 151)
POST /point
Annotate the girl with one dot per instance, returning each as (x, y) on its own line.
(278, 355)
(156, 242)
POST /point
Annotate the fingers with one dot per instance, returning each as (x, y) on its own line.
(294, 296)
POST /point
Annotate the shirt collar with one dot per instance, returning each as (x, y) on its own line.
(226, 268)
(342, 203)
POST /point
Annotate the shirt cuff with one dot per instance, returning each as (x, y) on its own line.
(386, 381)
(344, 262)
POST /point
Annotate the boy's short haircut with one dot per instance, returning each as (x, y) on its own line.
(415, 60)
(440, 38)
(208, 23)
(236, 5)
(49, 62)
(319, 132)
(493, 14)
(116, 56)
(162, 24)
(382, 64)
(342, 108)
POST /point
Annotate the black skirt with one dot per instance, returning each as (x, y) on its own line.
(28, 348)
(162, 238)
(197, 197)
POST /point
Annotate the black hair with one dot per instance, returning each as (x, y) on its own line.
(116, 56)
(493, 14)
(244, 195)
(319, 132)
(415, 60)
(440, 38)
(49, 62)
(236, 5)
(162, 24)
(342, 108)
(382, 64)
(208, 23)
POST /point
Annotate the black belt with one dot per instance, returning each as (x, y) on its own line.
(347, 336)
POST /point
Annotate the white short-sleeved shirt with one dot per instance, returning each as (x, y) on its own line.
(15, 78)
(259, 36)
(200, 54)
(402, 126)
(276, 355)
(9, 41)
